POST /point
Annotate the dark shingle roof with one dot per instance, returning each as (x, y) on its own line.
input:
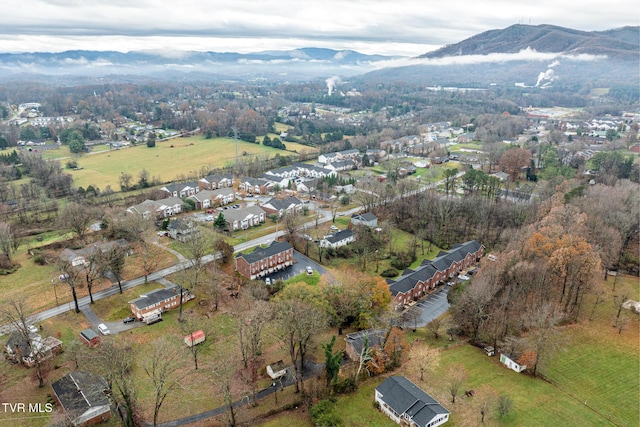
(261, 253)
(403, 396)
(154, 297)
(428, 269)
(80, 391)
(356, 339)
(339, 236)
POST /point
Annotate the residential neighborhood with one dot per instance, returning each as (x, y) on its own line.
(264, 249)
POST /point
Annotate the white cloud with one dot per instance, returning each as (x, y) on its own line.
(403, 27)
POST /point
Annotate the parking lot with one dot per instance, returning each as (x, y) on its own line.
(299, 267)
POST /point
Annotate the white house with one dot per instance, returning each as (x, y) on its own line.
(406, 404)
(341, 238)
(511, 364)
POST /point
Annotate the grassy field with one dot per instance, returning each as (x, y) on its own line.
(167, 160)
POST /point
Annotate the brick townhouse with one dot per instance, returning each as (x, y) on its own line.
(264, 261)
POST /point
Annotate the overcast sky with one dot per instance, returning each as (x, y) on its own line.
(398, 27)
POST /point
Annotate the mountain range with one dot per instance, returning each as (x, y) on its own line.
(620, 43)
(498, 56)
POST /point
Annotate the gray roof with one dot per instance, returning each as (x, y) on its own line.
(339, 236)
(356, 339)
(403, 396)
(367, 216)
(428, 269)
(283, 204)
(231, 215)
(81, 390)
(89, 334)
(154, 297)
(261, 253)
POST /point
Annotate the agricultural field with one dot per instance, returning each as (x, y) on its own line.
(167, 160)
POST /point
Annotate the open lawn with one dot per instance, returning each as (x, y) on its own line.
(168, 159)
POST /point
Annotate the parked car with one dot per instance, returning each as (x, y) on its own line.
(103, 329)
(334, 228)
(209, 218)
(267, 281)
(128, 320)
(309, 270)
(32, 329)
(463, 277)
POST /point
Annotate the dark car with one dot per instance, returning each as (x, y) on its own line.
(128, 320)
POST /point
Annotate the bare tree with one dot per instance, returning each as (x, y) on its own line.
(196, 247)
(223, 372)
(77, 217)
(424, 358)
(296, 323)
(15, 314)
(250, 328)
(114, 360)
(114, 260)
(543, 336)
(71, 276)
(160, 366)
(8, 239)
(189, 327)
(456, 377)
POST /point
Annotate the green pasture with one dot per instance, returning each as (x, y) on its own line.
(169, 159)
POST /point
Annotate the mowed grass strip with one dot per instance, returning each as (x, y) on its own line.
(169, 159)
(599, 364)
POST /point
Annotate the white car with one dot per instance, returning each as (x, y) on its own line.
(309, 270)
(267, 281)
(334, 228)
(103, 329)
(32, 329)
(464, 277)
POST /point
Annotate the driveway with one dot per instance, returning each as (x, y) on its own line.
(114, 327)
(428, 309)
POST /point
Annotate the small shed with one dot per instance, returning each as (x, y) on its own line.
(277, 370)
(90, 337)
(511, 363)
(194, 338)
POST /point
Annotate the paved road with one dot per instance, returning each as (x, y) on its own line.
(310, 370)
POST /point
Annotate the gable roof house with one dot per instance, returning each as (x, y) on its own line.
(84, 397)
(213, 182)
(353, 154)
(182, 229)
(367, 218)
(28, 350)
(355, 342)
(341, 165)
(81, 257)
(281, 207)
(415, 283)
(256, 185)
(313, 171)
(202, 200)
(241, 219)
(153, 304)
(181, 190)
(407, 404)
(157, 209)
(264, 261)
(340, 238)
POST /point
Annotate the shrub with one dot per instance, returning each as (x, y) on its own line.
(505, 404)
(323, 414)
(347, 385)
(390, 272)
